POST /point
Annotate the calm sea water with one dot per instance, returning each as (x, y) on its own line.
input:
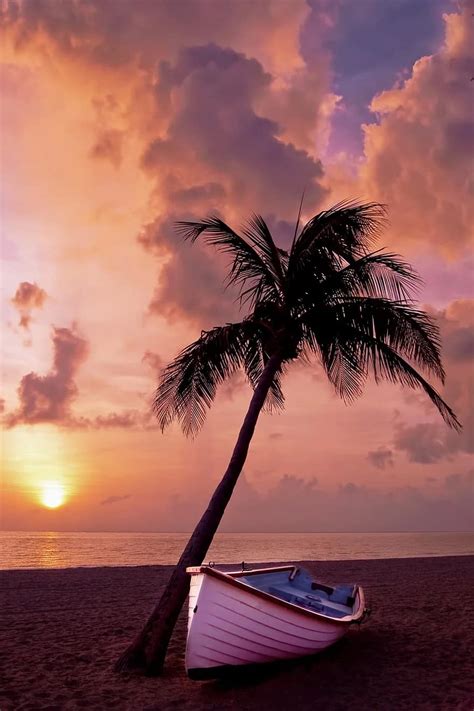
(68, 550)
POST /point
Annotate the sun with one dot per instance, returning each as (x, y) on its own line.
(52, 494)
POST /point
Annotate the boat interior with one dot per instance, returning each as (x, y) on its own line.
(299, 587)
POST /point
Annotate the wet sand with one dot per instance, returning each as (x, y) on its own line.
(62, 630)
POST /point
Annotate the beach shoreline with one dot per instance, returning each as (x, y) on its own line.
(66, 627)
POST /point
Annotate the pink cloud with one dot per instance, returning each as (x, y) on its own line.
(108, 146)
(427, 442)
(381, 457)
(150, 29)
(418, 157)
(296, 504)
(48, 398)
(28, 296)
(217, 154)
(154, 362)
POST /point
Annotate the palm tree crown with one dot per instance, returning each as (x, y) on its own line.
(330, 296)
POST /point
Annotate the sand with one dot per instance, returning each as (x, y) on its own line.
(63, 629)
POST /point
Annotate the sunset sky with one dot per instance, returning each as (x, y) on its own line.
(119, 117)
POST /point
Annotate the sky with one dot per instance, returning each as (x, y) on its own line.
(119, 118)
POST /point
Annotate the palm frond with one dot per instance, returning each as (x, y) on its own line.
(255, 359)
(348, 226)
(378, 273)
(332, 239)
(342, 368)
(330, 295)
(409, 331)
(389, 365)
(389, 339)
(297, 223)
(259, 235)
(188, 384)
(249, 265)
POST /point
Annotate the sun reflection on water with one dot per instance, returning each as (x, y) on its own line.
(49, 552)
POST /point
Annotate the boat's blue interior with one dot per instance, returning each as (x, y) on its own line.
(301, 589)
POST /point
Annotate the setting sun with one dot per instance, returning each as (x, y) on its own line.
(52, 494)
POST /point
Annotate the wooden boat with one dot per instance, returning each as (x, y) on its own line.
(262, 615)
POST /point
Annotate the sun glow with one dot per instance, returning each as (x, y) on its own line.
(52, 495)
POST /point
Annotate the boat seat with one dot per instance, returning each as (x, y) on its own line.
(283, 594)
(344, 594)
(324, 588)
(311, 601)
(306, 600)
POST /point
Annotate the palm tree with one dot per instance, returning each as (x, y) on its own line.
(329, 297)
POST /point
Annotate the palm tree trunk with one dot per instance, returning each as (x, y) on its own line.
(148, 651)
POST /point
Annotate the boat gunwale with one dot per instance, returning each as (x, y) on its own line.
(231, 579)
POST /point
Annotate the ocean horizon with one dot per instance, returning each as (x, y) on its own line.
(60, 549)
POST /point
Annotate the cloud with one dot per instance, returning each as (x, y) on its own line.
(429, 442)
(28, 296)
(295, 504)
(456, 322)
(381, 457)
(154, 361)
(191, 281)
(114, 499)
(89, 31)
(125, 419)
(214, 131)
(228, 113)
(215, 125)
(417, 156)
(110, 136)
(362, 40)
(424, 443)
(48, 398)
(108, 146)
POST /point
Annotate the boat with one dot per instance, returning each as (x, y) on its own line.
(249, 617)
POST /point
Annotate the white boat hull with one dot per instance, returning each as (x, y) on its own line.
(230, 626)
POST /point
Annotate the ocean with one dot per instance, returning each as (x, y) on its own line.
(69, 550)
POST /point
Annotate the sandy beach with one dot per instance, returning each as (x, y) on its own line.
(63, 629)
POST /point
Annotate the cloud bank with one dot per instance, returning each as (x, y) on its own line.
(297, 504)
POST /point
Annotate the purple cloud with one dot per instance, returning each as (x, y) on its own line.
(28, 296)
